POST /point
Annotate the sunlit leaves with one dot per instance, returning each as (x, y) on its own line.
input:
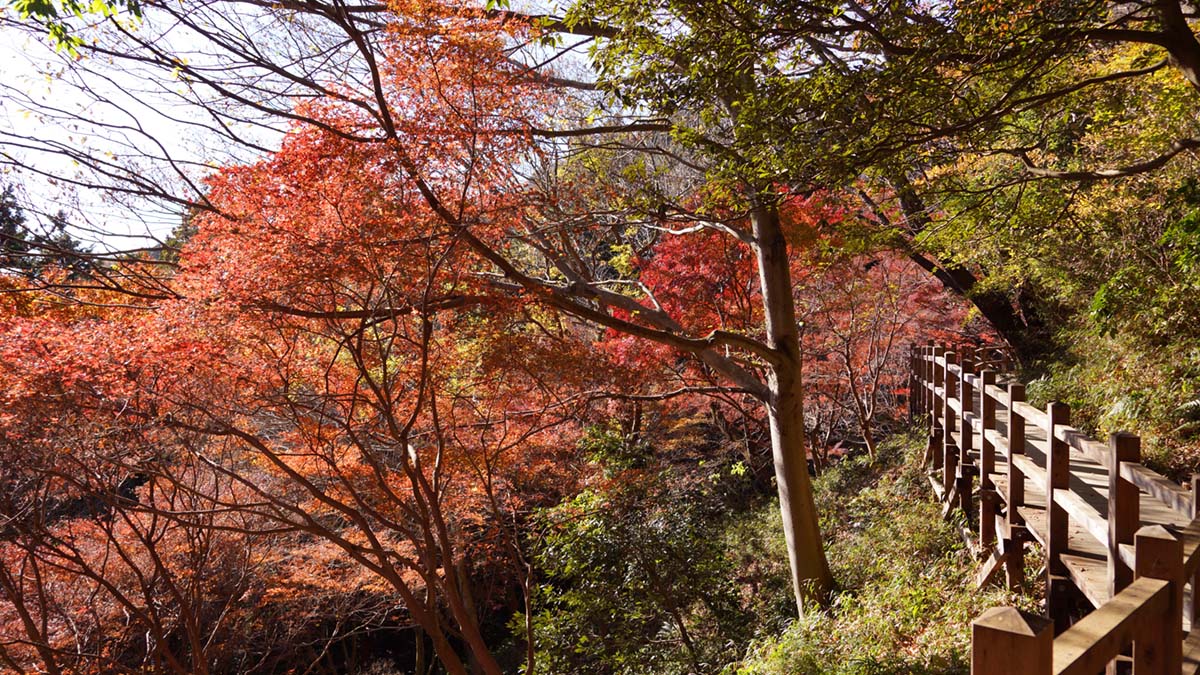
(55, 14)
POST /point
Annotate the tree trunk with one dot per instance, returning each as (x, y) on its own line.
(869, 439)
(819, 455)
(1180, 41)
(1018, 324)
(862, 414)
(445, 652)
(419, 667)
(811, 579)
(480, 656)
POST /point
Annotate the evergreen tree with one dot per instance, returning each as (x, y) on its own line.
(14, 236)
(28, 252)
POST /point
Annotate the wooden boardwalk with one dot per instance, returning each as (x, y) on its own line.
(1110, 522)
(1085, 556)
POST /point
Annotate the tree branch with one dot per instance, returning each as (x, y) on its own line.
(1179, 146)
(630, 128)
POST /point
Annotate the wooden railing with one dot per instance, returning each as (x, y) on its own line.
(1132, 564)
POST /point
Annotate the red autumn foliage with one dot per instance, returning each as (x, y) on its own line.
(365, 372)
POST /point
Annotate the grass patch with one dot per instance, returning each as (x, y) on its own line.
(906, 583)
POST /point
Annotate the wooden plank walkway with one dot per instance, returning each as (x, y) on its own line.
(1085, 556)
(1107, 525)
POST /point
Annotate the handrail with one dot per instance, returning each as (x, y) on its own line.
(1190, 536)
(1031, 414)
(998, 394)
(1029, 468)
(1158, 486)
(1094, 450)
(1087, 646)
(1077, 439)
(1147, 614)
(982, 427)
(1082, 512)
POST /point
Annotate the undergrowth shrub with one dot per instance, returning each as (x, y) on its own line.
(635, 572)
(906, 592)
(634, 563)
(1119, 386)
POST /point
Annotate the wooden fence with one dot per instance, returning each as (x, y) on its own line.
(1110, 530)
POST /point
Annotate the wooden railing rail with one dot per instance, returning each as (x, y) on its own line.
(1158, 486)
(1146, 616)
(981, 426)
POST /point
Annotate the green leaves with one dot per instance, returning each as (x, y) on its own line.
(38, 8)
(52, 14)
(636, 579)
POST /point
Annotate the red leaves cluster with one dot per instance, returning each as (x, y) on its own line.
(346, 390)
(860, 311)
(337, 378)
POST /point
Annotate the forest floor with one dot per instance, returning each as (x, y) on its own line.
(906, 582)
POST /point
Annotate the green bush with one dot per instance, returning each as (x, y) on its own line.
(1121, 386)
(635, 573)
(906, 596)
(632, 566)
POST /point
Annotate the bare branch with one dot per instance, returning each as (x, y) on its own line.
(1179, 146)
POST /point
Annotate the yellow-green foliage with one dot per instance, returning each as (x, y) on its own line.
(907, 591)
(1107, 271)
(1115, 385)
(905, 603)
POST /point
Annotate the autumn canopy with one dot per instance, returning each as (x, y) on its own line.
(492, 276)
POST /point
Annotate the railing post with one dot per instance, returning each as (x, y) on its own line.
(1015, 427)
(929, 377)
(950, 465)
(966, 395)
(1005, 640)
(1195, 603)
(1058, 476)
(1123, 507)
(1159, 649)
(918, 392)
(967, 362)
(935, 450)
(936, 378)
(987, 462)
(912, 382)
(939, 381)
(914, 377)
